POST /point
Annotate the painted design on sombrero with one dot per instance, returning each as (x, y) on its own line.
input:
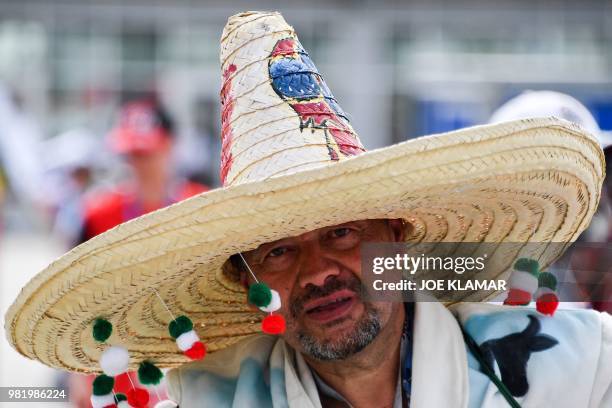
(296, 80)
(227, 101)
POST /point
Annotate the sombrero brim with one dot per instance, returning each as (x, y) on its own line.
(535, 180)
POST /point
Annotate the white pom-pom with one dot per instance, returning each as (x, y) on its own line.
(101, 401)
(166, 404)
(523, 280)
(124, 404)
(186, 340)
(114, 361)
(275, 303)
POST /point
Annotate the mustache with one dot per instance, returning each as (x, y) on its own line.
(331, 285)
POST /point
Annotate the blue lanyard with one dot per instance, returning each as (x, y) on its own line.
(407, 337)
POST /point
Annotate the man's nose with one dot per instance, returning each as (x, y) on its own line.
(316, 266)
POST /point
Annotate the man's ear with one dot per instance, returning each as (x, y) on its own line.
(398, 227)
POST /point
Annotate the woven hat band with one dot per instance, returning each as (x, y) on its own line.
(278, 115)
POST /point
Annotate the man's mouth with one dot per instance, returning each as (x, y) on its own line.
(330, 307)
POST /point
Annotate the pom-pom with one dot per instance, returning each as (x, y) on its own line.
(102, 330)
(260, 294)
(197, 351)
(149, 374)
(186, 340)
(166, 404)
(547, 280)
(180, 325)
(546, 298)
(103, 384)
(101, 401)
(547, 304)
(120, 397)
(124, 404)
(273, 324)
(114, 361)
(275, 303)
(527, 265)
(517, 297)
(138, 398)
(523, 281)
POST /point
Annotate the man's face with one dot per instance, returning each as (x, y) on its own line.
(318, 278)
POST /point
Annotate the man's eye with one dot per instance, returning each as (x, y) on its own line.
(340, 232)
(277, 252)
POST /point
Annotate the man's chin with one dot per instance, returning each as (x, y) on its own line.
(342, 337)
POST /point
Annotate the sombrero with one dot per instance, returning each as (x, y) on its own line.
(292, 163)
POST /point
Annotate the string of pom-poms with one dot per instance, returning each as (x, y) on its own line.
(267, 300)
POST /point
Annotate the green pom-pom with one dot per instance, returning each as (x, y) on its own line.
(547, 280)
(120, 397)
(260, 294)
(149, 374)
(102, 330)
(528, 265)
(180, 325)
(103, 384)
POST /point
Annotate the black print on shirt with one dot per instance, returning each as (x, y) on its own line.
(512, 353)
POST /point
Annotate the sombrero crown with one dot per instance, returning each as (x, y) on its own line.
(278, 114)
(291, 163)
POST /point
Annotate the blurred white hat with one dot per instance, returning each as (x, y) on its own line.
(71, 150)
(531, 104)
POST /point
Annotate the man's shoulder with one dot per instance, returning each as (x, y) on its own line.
(538, 356)
(102, 199)
(490, 316)
(485, 321)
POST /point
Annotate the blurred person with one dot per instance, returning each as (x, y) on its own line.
(144, 136)
(70, 161)
(265, 274)
(591, 257)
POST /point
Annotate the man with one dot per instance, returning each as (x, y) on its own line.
(352, 346)
(70, 165)
(301, 197)
(144, 137)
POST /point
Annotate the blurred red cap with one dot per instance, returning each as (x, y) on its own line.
(143, 127)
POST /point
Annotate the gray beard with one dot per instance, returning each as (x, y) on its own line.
(364, 333)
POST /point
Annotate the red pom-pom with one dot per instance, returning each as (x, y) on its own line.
(517, 297)
(197, 351)
(138, 398)
(273, 324)
(547, 304)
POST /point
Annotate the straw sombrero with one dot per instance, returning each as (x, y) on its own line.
(291, 163)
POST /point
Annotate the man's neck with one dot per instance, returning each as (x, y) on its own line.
(153, 191)
(370, 376)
